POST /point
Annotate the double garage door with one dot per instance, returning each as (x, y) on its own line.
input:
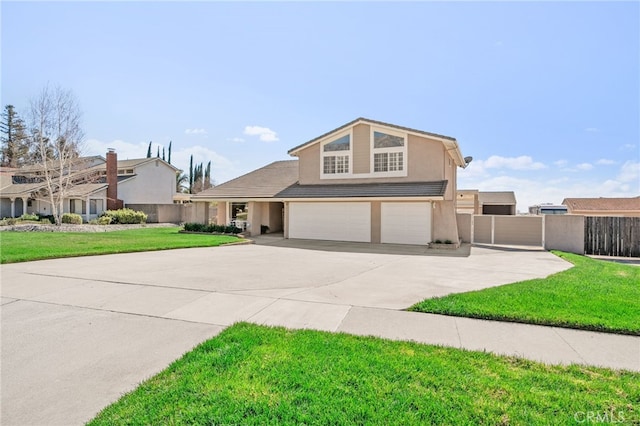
(400, 223)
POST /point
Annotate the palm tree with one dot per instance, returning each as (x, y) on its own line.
(182, 182)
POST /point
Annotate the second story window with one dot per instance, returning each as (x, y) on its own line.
(335, 156)
(388, 153)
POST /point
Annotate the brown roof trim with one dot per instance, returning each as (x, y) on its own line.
(375, 122)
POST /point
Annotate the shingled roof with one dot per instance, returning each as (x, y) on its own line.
(265, 182)
(602, 204)
(363, 190)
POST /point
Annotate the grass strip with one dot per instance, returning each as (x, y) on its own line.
(27, 246)
(256, 375)
(593, 295)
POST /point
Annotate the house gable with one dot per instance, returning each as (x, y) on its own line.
(368, 151)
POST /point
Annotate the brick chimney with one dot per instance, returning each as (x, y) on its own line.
(112, 179)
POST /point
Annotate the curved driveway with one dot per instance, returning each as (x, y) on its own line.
(78, 332)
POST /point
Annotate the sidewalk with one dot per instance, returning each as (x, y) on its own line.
(551, 345)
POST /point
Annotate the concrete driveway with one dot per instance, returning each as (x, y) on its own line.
(77, 333)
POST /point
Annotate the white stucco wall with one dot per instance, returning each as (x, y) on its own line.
(154, 183)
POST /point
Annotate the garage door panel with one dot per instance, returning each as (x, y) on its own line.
(330, 221)
(405, 223)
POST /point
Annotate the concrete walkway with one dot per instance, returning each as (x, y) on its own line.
(79, 332)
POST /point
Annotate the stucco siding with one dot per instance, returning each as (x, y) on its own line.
(482, 229)
(361, 149)
(564, 232)
(309, 165)
(518, 230)
(445, 226)
(426, 159)
(376, 221)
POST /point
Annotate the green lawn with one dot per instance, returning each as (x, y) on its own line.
(256, 375)
(593, 295)
(26, 246)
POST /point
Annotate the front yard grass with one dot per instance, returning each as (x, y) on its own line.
(593, 295)
(256, 375)
(26, 246)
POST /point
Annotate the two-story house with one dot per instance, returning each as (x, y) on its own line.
(99, 183)
(366, 181)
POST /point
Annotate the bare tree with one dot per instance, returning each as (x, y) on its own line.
(57, 140)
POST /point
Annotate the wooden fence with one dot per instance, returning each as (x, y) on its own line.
(612, 236)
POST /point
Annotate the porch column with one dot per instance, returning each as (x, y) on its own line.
(13, 207)
(87, 211)
(24, 205)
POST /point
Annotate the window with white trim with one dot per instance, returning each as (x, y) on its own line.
(388, 153)
(335, 156)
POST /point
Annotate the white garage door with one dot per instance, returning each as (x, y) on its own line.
(405, 223)
(330, 221)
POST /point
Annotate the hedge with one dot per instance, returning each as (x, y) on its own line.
(123, 216)
(222, 229)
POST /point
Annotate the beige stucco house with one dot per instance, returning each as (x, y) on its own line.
(366, 181)
(100, 183)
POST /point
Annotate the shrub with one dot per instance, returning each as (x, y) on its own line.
(72, 218)
(448, 242)
(264, 229)
(201, 227)
(46, 218)
(438, 241)
(124, 216)
(28, 216)
(103, 220)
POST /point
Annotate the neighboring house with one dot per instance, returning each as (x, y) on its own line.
(603, 206)
(365, 181)
(101, 184)
(473, 201)
(547, 208)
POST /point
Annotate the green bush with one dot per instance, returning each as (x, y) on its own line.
(46, 218)
(212, 228)
(124, 216)
(28, 216)
(103, 220)
(72, 218)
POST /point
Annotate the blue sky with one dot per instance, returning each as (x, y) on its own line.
(545, 96)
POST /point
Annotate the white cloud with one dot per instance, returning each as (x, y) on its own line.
(222, 169)
(265, 134)
(125, 150)
(591, 129)
(630, 172)
(535, 188)
(523, 162)
(560, 163)
(605, 162)
(584, 167)
(236, 140)
(195, 132)
(628, 147)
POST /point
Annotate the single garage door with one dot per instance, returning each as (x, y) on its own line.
(330, 221)
(405, 223)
